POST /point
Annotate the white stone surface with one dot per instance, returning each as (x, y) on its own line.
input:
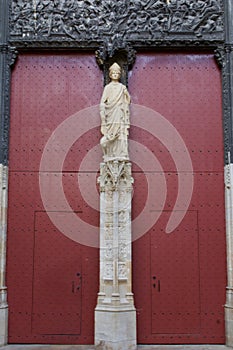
(229, 241)
(3, 326)
(115, 330)
(3, 230)
(115, 315)
(114, 113)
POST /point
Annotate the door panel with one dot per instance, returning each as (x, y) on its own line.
(57, 280)
(179, 278)
(52, 280)
(174, 277)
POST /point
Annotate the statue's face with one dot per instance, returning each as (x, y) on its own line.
(115, 75)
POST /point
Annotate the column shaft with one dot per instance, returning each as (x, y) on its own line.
(115, 315)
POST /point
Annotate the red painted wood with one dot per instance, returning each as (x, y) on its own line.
(186, 90)
(52, 280)
(173, 281)
(57, 280)
(189, 263)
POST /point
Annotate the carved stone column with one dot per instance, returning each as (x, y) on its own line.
(115, 316)
(229, 237)
(3, 230)
(227, 76)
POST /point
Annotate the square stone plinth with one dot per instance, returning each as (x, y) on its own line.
(115, 330)
(229, 326)
(3, 325)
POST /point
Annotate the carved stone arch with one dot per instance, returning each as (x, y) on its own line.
(124, 55)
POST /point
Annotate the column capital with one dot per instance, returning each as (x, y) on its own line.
(115, 175)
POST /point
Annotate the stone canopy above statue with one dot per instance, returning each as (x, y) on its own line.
(131, 20)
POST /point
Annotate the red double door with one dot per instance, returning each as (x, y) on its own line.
(179, 278)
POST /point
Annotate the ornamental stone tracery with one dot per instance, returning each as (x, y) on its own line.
(93, 20)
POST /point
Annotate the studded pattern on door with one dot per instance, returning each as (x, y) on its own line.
(52, 280)
(178, 278)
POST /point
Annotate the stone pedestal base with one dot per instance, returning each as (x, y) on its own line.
(115, 330)
(229, 326)
(3, 326)
(229, 317)
(115, 315)
(229, 240)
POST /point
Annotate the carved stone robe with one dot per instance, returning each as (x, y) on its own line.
(114, 111)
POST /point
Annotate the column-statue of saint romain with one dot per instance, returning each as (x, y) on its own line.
(114, 112)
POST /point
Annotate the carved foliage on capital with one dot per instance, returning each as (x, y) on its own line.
(3, 192)
(115, 175)
(3, 177)
(227, 176)
(96, 19)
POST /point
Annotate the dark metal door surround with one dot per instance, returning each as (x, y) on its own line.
(46, 27)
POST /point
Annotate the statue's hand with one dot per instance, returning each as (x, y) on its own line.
(102, 114)
(103, 129)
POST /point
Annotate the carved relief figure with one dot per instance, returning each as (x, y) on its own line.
(114, 112)
(97, 18)
(108, 275)
(122, 271)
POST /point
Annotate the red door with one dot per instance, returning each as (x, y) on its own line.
(172, 278)
(57, 306)
(52, 280)
(179, 278)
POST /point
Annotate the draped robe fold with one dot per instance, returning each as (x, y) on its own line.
(114, 110)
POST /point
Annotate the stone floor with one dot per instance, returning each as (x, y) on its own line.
(91, 347)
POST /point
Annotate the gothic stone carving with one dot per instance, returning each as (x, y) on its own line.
(108, 275)
(94, 20)
(114, 175)
(219, 54)
(224, 57)
(122, 271)
(115, 239)
(115, 118)
(118, 51)
(8, 57)
(227, 176)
